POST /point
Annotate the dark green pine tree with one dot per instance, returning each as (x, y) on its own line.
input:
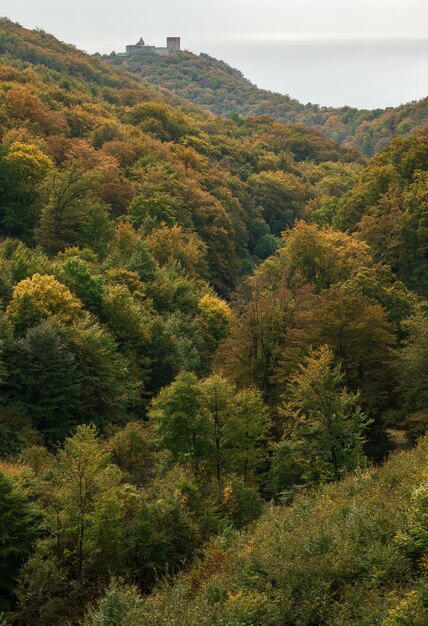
(44, 381)
(18, 530)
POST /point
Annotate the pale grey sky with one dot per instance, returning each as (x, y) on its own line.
(358, 52)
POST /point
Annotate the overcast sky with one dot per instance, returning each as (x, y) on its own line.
(359, 52)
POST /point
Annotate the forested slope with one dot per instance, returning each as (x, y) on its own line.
(224, 90)
(201, 319)
(352, 553)
(82, 112)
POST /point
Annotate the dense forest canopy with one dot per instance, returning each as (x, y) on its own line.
(352, 553)
(211, 331)
(223, 90)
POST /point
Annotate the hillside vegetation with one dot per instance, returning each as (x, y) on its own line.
(209, 329)
(223, 90)
(351, 553)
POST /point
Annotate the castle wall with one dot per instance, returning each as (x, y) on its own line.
(172, 45)
(138, 49)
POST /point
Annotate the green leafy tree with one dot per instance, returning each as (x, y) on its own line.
(251, 354)
(88, 507)
(23, 168)
(388, 207)
(129, 320)
(321, 257)
(152, 210)
(217, 404)
(324, 427)
(414, 374)
(132, 449)
(23, 261)
(181, 425)
(358, 332)
(281, 197)
(83, 284)
(266, 246)
(45, 592)
(166, 530)
(240, 502)
(246, 433)
(72, 207)
(413, 249)
(128, 251)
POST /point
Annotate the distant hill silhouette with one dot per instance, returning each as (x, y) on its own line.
(224, 90)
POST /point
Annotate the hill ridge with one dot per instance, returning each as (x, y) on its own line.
(224, 90)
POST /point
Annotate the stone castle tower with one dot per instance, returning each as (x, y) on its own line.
(173, 44)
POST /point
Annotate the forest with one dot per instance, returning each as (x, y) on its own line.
(219, 88)
(213, 358)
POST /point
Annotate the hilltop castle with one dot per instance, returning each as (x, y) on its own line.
(172, 45)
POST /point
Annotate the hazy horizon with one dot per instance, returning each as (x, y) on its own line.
(363, 54)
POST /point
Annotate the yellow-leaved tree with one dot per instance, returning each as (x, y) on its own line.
(39, 297)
